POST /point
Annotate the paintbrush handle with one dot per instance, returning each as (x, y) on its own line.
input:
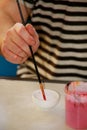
(37, 72)
(35, 64)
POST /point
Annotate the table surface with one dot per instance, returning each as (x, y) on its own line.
(18, 112)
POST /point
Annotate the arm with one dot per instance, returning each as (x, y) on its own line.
(9, 15)
(12, 32)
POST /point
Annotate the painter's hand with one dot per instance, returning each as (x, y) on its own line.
(15, 46)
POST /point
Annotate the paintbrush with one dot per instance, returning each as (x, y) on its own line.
(35, 64)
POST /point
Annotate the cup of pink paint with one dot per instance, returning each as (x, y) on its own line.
(76, 105)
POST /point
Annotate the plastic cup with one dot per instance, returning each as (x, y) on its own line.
(76, 105)
(52, 98)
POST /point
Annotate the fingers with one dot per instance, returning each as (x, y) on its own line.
(34, 34)
(10, 56)
(15, 47)
(23, 33)
(16, 44)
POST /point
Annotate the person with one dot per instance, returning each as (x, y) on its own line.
(59, 42)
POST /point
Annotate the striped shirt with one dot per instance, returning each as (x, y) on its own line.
(62, 29)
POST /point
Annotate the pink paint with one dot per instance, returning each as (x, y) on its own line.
(76, 109)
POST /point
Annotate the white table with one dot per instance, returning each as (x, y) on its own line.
(17, 111)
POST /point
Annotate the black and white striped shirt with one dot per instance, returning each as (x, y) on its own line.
(62, 29)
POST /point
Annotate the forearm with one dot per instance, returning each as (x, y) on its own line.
(5, 23)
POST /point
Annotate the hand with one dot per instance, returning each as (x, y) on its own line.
(15, 46)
